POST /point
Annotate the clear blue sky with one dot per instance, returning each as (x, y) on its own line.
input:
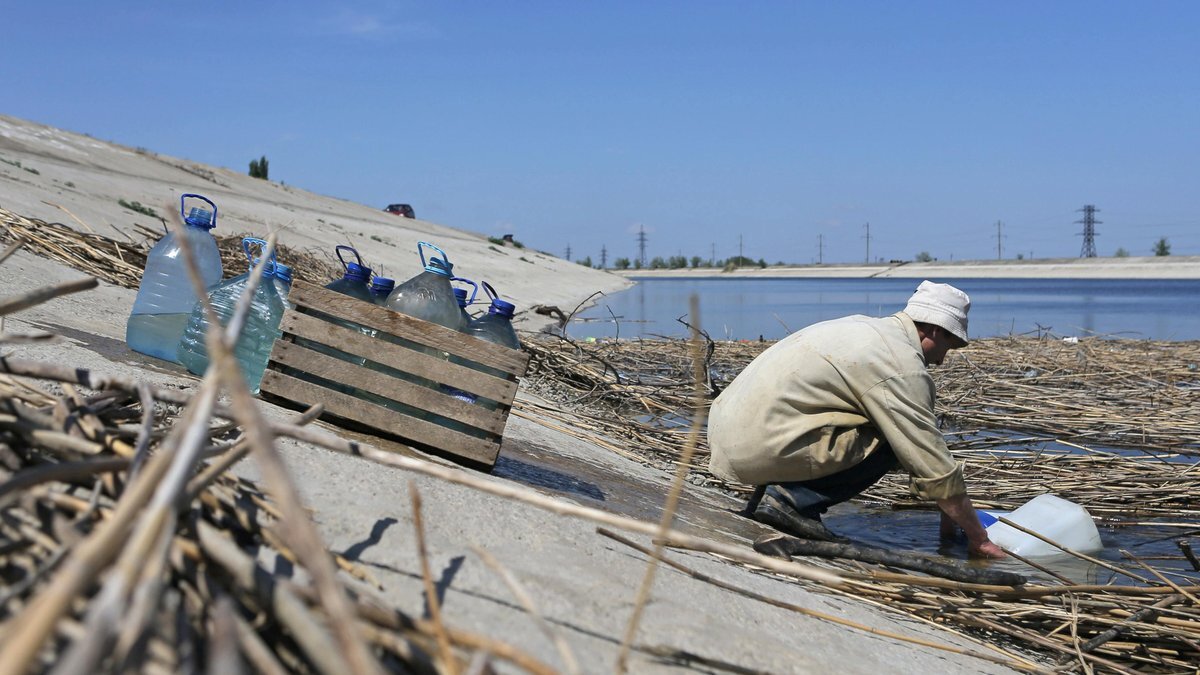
(787, 125)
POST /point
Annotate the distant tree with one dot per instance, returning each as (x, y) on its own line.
(677, 262)
(1121, 253)
(586, 262)
(621, 263)
(696, 260)
(1162, 247)
(657, 263)
(1020, 256)
(740, 261)
(259, 168)
(637, 264)
(762, 263)
(924, 256)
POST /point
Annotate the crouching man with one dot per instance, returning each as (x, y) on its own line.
(823, 414)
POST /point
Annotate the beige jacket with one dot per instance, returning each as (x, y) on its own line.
(824, 398)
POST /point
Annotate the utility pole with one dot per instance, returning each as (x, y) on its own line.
(603, 257)
(1089, 231)
(820, 248)
(568, 252)
(740, 256)
(999, 242)
(867, 236)
(712, 257)
(642, 244)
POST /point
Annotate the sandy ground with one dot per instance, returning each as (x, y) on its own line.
(584, 584)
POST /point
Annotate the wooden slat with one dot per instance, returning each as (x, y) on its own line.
(512, 361)
(397, 356)
(415, 430)
(409, 393)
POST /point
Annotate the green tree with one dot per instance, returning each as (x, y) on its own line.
(586, 262)
(676, 262)
(637, 264)
(1162, 247)
(762, 263)
(924, 256)
(657, 263)
(696, 260)
(1121, 253)
(259, 168)
(621, 263)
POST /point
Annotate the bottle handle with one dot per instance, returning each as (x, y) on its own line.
(474, 288)
(357, 258)
(270, 268)
(490, 291)
(421, 251)
(183, 198)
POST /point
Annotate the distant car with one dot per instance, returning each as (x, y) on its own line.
(400, 210)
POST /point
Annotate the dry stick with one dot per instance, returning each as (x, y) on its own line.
(1186, 547)
(139, 570)
(518, 591)
(1013, 662)
(1162, 578)
(1077, 554)
(35, 623)
(672, 502)
(299, 529)
(13, 248)
(284, 606)
(435, 611)
(39, 295)
(1150, 613)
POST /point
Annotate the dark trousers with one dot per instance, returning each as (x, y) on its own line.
(813, 497)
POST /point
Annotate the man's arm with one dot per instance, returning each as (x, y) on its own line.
(959, 511)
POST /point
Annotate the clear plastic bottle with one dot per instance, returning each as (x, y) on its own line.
(283, 283)
(496, 327)
(460, 295)
(258, 335)
(381, 288)
(165, 297)
(354, 284)
(428, 295)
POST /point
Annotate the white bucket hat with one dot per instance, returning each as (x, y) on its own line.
(941, 305)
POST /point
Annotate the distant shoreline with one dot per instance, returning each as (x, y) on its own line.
(1164, 267)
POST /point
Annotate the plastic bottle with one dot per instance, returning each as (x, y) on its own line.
(496, 327)
(283, 283)
(258, 335)
(1065, 522)
(354, 284)
(165, 297)
(381, 288)
(429, 295)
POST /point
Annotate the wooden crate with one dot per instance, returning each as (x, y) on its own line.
(467, 430)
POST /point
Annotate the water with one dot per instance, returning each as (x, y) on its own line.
(745, 309)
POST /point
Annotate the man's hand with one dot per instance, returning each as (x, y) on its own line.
(959, 510)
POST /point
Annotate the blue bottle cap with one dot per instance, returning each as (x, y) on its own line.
(986, 519)
(200, 218)
(283, 272)
(439, 266)
(502, 308)
(460, 294)
(356, 272)
(381, 285)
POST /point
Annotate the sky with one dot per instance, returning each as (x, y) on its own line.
(794, 132)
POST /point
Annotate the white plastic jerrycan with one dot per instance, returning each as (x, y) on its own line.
(1053, 517)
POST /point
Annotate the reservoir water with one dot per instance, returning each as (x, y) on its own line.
(745, 309)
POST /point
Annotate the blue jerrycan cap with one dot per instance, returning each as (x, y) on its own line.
(434, 264)
(270, 269)
(460, 294)
(198, 217)
(498, 306)
(986, 519)
(381, 285)
(355, 271)
(283, 272)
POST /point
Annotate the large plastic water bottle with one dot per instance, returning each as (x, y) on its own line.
(258, 335)
(165, 297)
(1065, 522)
(429, 295)
(355, 281)
(496, 326)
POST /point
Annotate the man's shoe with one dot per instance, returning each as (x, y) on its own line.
(785, 518)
